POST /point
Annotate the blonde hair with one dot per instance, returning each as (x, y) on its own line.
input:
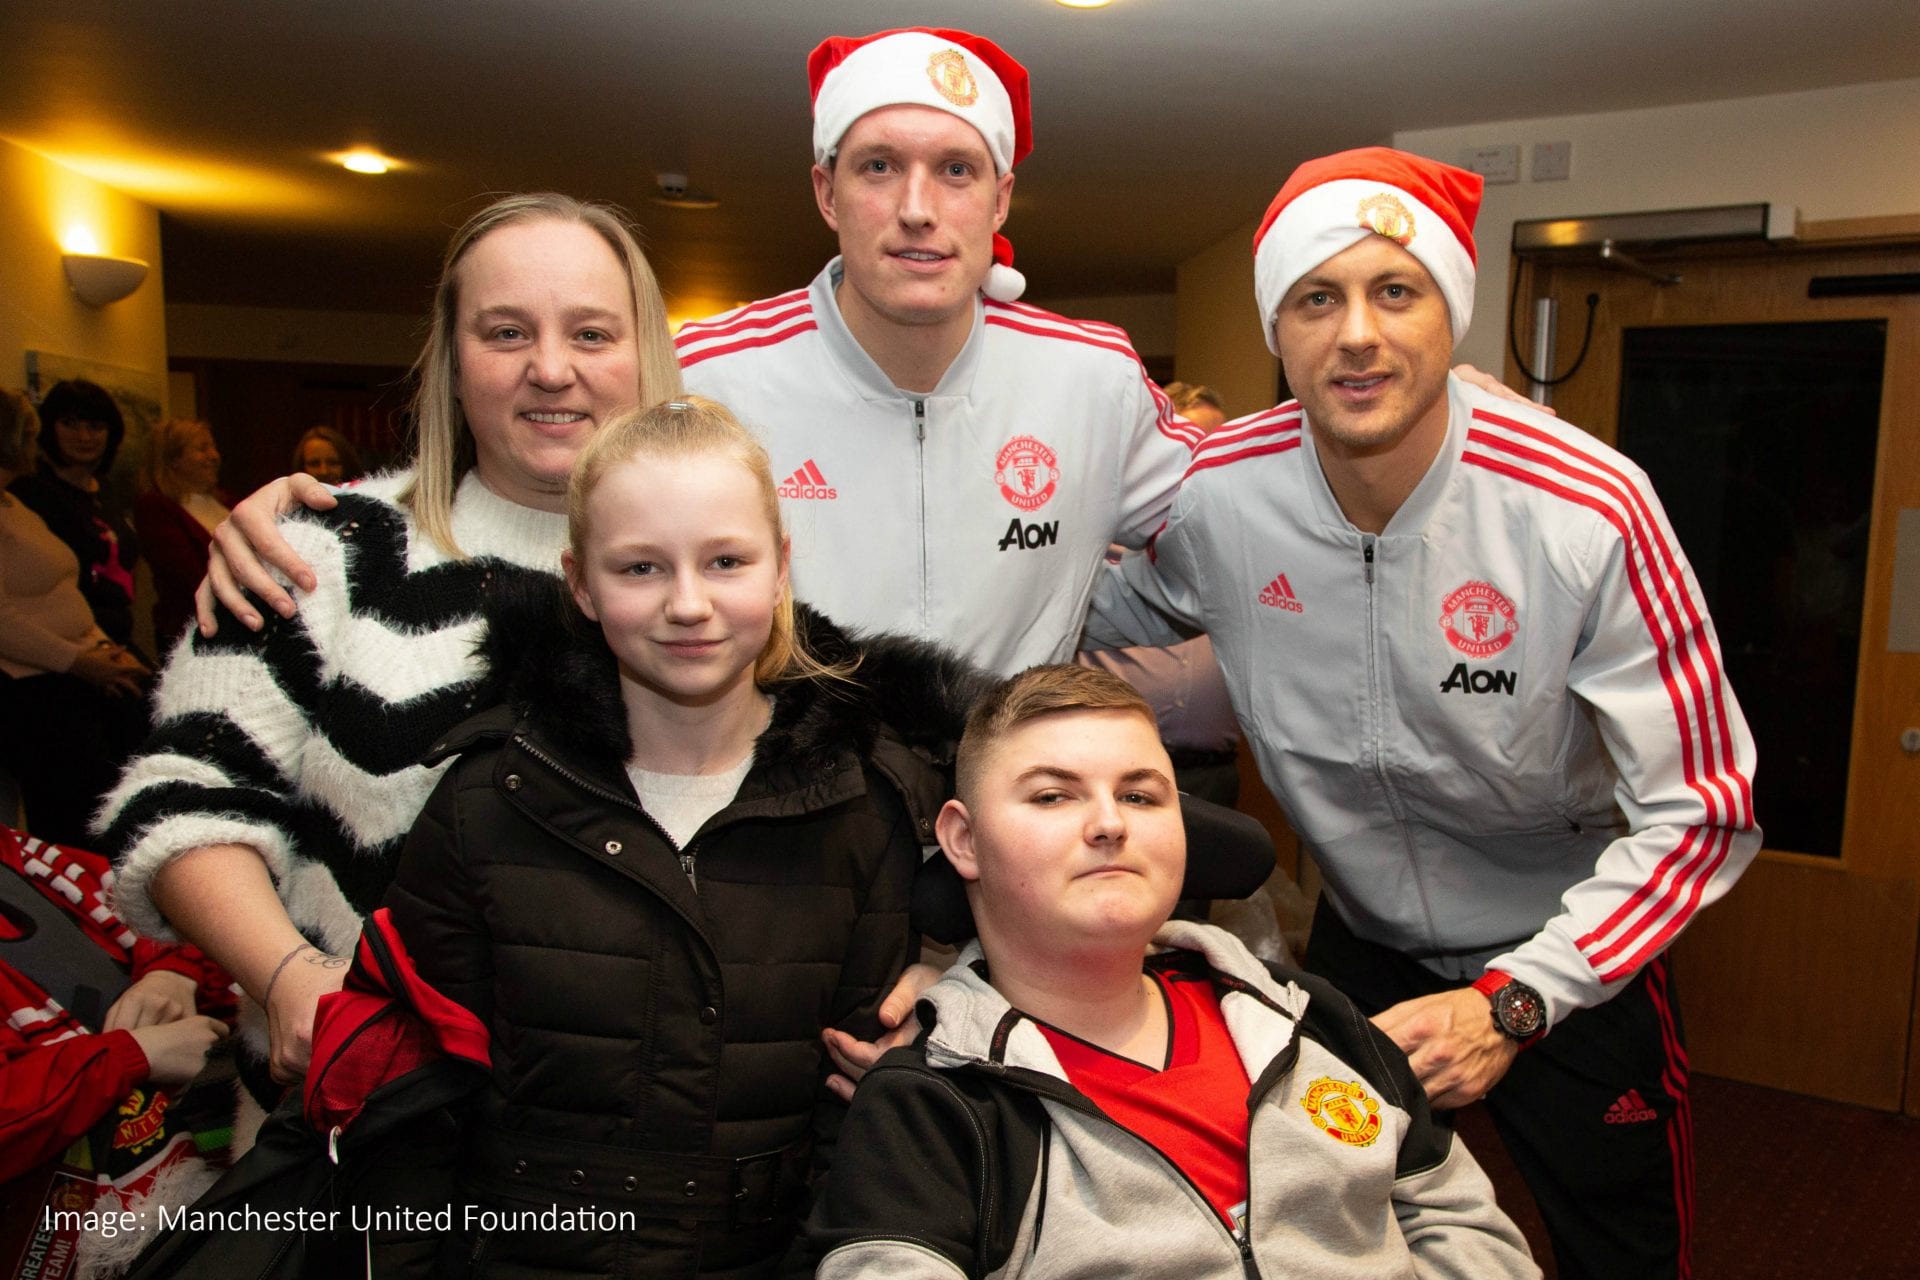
(689, 427)
(1036, 692)
(443, 444)
(1185, 395)
(165, 443)
(19, 430)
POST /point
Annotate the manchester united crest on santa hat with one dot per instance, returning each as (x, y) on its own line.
(957, 72)
(1329, 204)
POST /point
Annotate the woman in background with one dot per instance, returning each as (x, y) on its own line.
(80, 435)
(72, 705)
(327, 456)
(176, 513)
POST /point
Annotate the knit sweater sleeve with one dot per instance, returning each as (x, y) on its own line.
(298, 740)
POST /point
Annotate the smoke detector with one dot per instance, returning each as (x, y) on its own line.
(674, 193)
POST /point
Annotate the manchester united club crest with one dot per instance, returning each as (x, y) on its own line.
(951, 77)
(1342, 1110)
(1027, 473)
(143, 1121)
(1478, 620)
(1383, 212)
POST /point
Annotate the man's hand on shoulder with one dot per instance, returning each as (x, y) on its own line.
(1450, 1039)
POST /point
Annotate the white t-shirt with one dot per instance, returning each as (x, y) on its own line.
(681, 802)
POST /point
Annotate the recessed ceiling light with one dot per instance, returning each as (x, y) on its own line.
(1085, 4)
(364, 161)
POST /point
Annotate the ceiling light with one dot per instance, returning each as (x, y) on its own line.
(364, 161)
(1085, 4)
(674, 193)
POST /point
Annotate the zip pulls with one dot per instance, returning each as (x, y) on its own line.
(1066, 1095)
(1366, 553)
(920, 478)
(596, 790)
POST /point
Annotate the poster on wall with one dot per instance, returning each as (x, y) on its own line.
(137, 392)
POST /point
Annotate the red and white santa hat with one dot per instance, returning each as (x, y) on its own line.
(962, 74)
(1329, 204)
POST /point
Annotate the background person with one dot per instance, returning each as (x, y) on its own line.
(65, 1065)
(177, 510)
(328, 456)
(1198, 404)
(81, 431)
(72, 700)
(1497, 715)
(1073, 1112)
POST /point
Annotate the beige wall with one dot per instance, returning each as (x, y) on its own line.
(1851, 152)
(40, 204)
(1217, 328)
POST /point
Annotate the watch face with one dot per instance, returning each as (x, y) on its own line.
(1519, 1010)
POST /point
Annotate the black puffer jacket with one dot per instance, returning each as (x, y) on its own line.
(648, 1038)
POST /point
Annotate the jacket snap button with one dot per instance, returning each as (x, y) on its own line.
(575, 1178)
(925, 826)
(692, 1189)
(513, 782)
(632, 1182)
(709, 1015)
(613, 848)
(519, 1166)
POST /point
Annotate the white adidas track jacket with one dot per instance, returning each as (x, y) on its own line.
(1502, 725)
(977, 514)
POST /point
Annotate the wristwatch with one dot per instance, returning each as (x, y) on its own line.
(1519, 1012)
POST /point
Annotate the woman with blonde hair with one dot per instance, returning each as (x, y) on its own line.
(265, 814)
(176, 513)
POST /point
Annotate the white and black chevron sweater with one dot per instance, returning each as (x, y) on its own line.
(303, 740)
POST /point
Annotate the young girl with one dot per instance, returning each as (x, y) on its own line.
(682, 847)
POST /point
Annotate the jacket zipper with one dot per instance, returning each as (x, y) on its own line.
(1377, 735)
(1242, 1240)
(595, 789)
(920, 459)
(1373, 676)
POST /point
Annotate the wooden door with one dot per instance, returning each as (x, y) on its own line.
(1803, 978)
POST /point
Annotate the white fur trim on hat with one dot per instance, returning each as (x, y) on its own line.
(1324, 221)
(1004, 284)
(913, 68)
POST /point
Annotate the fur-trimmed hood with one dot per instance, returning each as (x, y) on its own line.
(552, 667)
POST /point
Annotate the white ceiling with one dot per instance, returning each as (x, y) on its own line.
(1160, 124)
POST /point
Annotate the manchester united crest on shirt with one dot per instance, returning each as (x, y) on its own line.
(1478, 620)
(1342, 1110)
(1027, 473)
(951, 77)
